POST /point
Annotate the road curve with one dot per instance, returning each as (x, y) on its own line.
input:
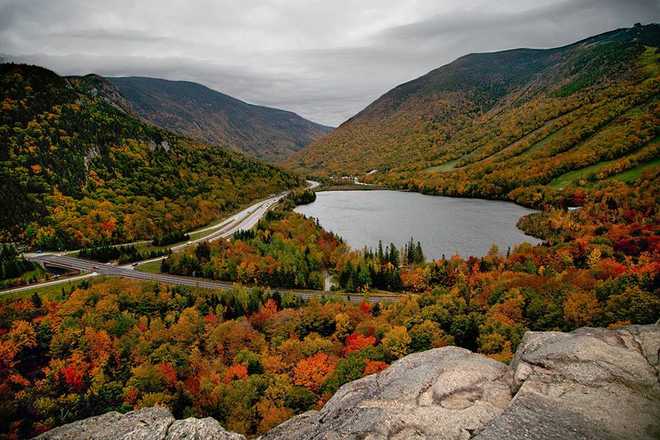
(72, 263)
(245, 219)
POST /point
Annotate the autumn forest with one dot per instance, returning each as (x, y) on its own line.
(572, 132)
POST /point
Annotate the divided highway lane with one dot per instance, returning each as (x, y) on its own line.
(245, 219)
(72, 263)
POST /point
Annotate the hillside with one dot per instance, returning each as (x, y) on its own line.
(252, 358)
(196, 111)
(76, 168)
(559, 384)
(489, 123)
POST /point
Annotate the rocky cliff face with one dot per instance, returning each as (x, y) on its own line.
(588, 384)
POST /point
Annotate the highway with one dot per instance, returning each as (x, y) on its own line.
(245, 219)
(72, 263)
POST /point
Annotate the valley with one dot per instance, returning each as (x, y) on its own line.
(461, 130)
(486, 235)
(196, 111)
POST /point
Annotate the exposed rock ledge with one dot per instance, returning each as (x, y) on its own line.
(154, 423)
(588, 384)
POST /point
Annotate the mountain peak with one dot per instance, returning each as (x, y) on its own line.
(198, 111)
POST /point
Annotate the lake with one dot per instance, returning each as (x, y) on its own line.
(444, 225)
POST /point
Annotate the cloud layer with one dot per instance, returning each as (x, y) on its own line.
(323, 60)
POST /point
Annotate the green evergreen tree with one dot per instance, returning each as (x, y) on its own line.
(419, 254)
(36, 300)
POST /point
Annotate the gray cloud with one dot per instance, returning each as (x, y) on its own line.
(104, 35)
(323, 60)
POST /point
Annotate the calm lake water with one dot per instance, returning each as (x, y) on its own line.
(444, 225)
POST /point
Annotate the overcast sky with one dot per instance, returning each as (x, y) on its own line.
(324, 59)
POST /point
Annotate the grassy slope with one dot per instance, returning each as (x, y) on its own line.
(630, 166)
(150, 267)
(489, 123)
(52, 291)
(633, 174)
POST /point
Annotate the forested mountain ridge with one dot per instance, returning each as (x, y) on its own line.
(75, 168)
(197, 111)
(99, 87)
(489, 123)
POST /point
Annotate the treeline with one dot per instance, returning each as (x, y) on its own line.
(296, 198)
(121, 254)
(303, 197)
(285, 249)
(170, 238)
(12, 264)
(17, 271)
(269, 255)
(380, 269)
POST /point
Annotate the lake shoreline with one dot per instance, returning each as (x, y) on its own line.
(444, 225)
(353, 187)
(384, 187)
(374, 187)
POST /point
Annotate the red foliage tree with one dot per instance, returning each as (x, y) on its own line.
(168, 372)
(236, 372)
(372, 367)
(357, 342)
(313, 371)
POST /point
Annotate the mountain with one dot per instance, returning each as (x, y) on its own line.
(76, 167)
(489, 123)
(196, 111)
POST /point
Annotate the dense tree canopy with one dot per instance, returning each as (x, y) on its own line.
(284, 250)
(499, 125)
(75, 170)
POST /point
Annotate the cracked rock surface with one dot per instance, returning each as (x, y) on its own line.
(442, 393)
(154, 423)
(589, 384)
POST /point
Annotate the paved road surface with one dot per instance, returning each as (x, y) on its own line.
(244, 219)
(72, 263)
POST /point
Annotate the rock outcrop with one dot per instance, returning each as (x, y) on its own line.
(588, 384)
(154, 423)
(443, 393)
